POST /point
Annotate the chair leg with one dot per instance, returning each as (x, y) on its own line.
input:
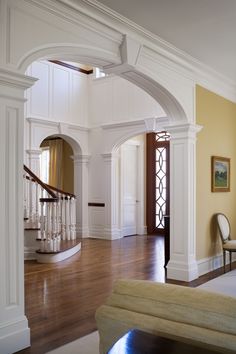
(224, 259)
(230, 259)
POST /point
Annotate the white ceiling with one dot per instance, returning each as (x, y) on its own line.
(205, 29)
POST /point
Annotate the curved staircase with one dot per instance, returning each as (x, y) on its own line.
(49, 221)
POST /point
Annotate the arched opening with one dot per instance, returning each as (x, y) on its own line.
(77, 35)
(52, 209)
(56, 163)
(137, 168)
(111, 139)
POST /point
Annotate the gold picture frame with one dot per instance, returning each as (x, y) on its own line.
(220, 174)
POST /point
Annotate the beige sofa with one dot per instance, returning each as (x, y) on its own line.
(192, 315)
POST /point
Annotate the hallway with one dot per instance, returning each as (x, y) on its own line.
(61, 299)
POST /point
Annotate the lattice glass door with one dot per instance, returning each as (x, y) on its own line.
(161, 183)
(157, 181)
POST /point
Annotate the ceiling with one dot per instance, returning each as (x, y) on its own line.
(205, 29)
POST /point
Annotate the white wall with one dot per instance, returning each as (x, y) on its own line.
(65, 95)
(76, 99)
(60, 94)
(101, 189)
(113, 99)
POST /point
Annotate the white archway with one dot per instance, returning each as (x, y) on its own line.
(78, 139)
(77, 31)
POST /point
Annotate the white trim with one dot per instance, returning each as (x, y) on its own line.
(15, 79)
(112, 233)
(29, 253)
(192, 68)
(58, 124)
(53, 258)
(142, 230)
(208, 264)
(83, 231)
(19, 337)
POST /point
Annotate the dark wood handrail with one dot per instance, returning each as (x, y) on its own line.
(61, 191)
(71, 195)
(41, 183)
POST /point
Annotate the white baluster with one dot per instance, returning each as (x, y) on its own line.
(67, 221)
(63, 218)
(36, 202)
(30, 202)
(42, 222)
(40, 196)
(59, 221)
(48, 221)
(73, 218)
(27, 197)
(54, 220)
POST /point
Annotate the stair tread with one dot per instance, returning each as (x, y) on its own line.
(58, 247)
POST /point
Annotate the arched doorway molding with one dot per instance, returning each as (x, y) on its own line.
(57, 30)
(182, 264)
(39, 130)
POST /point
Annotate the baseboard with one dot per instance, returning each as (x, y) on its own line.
(206, 265)
(29, 253)
(183, 271)
(104, 233)
(112, 233)
(83, 231)
(142, 230)
(14, 336)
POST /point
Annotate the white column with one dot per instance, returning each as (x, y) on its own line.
(81, 192)
(182, 264)
(34, 161)
(34, 165)
(111, 178)
(14, 331)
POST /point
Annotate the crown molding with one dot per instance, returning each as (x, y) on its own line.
(202, 74)
(43, 121)
(110, 24)
(15, 79)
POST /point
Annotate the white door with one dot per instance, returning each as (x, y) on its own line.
(129, 189)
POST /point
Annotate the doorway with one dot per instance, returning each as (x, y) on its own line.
(158, 182)
(132, 191)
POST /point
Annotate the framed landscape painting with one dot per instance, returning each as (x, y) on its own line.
(220, 174)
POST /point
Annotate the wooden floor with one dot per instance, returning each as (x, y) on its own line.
(61, 299)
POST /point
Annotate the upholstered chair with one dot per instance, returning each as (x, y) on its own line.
(225, 233)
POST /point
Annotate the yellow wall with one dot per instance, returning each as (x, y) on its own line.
(218, 137)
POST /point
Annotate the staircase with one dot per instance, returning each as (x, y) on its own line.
(49, 221)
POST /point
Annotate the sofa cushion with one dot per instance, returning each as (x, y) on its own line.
(176, 303)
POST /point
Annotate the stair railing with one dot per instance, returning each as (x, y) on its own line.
(49, 208)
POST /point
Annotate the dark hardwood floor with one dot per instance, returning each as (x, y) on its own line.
(61, 298)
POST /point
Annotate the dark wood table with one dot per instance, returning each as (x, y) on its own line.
(138, 342)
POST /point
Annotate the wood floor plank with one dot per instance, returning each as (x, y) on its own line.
(61, 298)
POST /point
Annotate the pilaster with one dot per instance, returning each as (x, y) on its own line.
(81, 163)
(112, 229)
(34, 160)
(14, 331)
(183, 264)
